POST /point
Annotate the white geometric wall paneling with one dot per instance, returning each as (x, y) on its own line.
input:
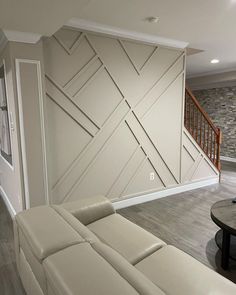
(195, 164)
(115, 115)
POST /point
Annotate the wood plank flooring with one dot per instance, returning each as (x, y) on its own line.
(182, 220)
(10, 283)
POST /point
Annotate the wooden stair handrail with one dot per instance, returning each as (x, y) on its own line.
(206, 116)
(201, 127)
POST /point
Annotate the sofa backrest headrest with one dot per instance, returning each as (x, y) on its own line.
(90, 209)
(78, 226)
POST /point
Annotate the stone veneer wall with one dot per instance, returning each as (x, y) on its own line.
(220, 104)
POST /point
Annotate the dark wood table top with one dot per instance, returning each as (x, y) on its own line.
(223, 213)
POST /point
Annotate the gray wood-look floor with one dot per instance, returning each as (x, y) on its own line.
(182, 220)
(10, 283)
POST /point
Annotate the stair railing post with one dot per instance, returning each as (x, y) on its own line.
(219, 141)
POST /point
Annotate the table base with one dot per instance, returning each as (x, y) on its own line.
(218, 239)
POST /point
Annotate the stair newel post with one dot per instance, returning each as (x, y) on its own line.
(219, 141)
(200, 131)
(215, 147)
(208, 139)
(197, 126)
(204, 140)
(185, 109)
(212, 142)
(194, 122)
(190, 114)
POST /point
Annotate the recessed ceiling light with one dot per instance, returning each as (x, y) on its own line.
(215, 61)
(152, 19)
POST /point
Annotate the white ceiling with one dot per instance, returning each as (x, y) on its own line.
(208, 25)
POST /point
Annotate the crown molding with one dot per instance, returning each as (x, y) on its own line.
(205, 74)
(3, 41)
(215, 80)
(118, 32)
(24, 37)
(212, 85)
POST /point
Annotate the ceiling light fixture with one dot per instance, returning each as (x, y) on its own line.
(215, 61)
(152, 19)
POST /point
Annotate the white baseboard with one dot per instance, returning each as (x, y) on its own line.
(228, 159)
(139, 199)
(164, 193)
(5, 198)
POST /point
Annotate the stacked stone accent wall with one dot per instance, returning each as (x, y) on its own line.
(220, 104)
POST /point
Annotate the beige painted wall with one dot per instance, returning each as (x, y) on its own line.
(115, 115)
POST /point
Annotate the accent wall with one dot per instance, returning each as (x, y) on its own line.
(115, 118)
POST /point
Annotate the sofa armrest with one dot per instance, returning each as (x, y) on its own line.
(90, 209)
(45, 231)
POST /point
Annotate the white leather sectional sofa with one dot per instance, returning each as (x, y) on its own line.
(85, 248)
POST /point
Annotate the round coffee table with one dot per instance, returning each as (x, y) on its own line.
(223, 213)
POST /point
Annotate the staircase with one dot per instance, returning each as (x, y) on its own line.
(202, 129)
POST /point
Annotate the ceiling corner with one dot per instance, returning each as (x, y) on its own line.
(24, 37)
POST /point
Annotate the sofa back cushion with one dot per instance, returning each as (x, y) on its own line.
(130, 240)
(78, 226)
(90, 209)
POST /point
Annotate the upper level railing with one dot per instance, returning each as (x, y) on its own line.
(201, 127)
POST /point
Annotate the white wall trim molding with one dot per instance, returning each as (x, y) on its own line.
(43, 131)
(8, 204)
(228, 159)
(122, 33)
(22, 135)
(164, 193)
(24, 37)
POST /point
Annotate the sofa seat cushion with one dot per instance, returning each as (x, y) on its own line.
(127, 238)
(80, 270)
(46, 231)
(177, 273)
